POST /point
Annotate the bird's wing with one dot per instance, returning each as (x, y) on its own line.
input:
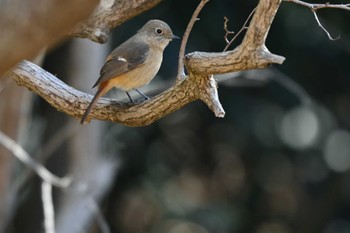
(127, 56)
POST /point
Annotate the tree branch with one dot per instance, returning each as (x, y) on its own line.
(181, 67)
(244, 27)
(42, 23)
(48, 208)
(108, 15)
(250, 54)
(317, 6)
(73, 102)
(27, 26)
(323, 28)
(199, 84)
(39, 169)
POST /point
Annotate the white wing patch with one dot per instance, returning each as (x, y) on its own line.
(122, 59)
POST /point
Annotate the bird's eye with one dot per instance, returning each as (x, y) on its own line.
(159, 31)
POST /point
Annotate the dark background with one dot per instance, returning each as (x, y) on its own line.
(277, 163)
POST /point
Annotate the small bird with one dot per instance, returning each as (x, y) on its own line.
(135, 62)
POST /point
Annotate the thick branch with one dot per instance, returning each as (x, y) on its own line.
(241, 58)
(110, 14)
(73, 102)
(251, 54)
(27, 26)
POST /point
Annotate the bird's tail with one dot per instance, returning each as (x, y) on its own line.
(101, 91)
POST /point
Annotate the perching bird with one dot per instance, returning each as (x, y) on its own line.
(135, 62)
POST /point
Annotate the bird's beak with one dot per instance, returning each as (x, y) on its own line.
(174, 37)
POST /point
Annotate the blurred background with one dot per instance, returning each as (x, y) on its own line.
(279, 162)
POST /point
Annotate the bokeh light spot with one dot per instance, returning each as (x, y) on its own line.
(337, 151)
(300, 128)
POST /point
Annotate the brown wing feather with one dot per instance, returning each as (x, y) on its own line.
(129, 55)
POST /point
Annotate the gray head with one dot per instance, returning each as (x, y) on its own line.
(157, 33)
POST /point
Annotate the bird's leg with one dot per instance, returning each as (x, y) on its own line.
(131, 100)
(145, 96)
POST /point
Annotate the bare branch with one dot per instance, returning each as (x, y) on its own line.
(181, 69)
(49, 212)
(24, 157)
(101, 221)
(250, 54)
(323, 28)
(227, 32)
(73, 102)
(261, 22)
(317, 6)
(110, 14)
(244, 27)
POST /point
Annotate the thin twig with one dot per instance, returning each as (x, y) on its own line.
(49, 211)
(323, 28)
(317, 6)
(244, 27)
(227, 32)
(181, 69)
(101, 221)
(24, 157)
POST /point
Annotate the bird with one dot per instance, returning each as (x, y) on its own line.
(134, 63)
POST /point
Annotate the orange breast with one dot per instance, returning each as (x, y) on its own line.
(138, 77)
